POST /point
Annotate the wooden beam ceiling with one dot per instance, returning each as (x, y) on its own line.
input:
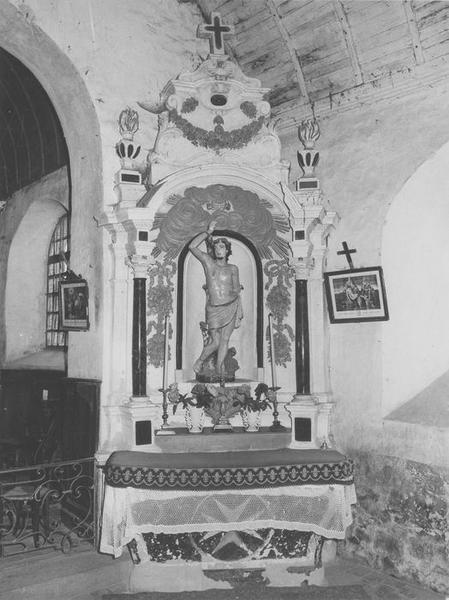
(314, 53)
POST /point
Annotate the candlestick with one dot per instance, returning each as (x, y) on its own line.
(165, 372)
(164, 430)
(273, 367)
(276, 426)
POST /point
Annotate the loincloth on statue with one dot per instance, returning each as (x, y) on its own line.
(218, 316)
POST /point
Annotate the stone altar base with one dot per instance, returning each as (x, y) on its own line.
(167, 572)
(182, 576)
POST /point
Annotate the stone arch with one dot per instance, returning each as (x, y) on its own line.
(415, 258)
(25, 292)
(73, 104)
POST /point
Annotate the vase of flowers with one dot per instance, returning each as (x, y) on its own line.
(194, 405)
(195, 418)
(251, 407)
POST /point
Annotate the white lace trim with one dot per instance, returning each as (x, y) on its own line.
(127, 512)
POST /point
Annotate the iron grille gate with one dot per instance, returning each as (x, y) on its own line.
(47, 506)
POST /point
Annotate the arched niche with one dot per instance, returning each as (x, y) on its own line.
(415, 258)
(26, 281)
(255, 218)
(248, 338)
(74, 107)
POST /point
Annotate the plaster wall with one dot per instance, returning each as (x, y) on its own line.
(384, 170)
(415, 347)
(366, 158)
(26, 228)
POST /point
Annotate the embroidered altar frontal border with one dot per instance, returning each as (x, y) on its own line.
(121, 472)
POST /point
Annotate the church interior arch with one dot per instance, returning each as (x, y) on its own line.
(415, 349)
(25, 313)
(51, 151)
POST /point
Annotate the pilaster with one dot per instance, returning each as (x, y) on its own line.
(311, 220)
(139, 265)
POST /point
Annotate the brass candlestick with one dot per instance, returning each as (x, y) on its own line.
(277, 425)
(165, 428)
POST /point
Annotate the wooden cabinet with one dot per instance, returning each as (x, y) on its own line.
(80, 418)
(30, 403)
(34, 403)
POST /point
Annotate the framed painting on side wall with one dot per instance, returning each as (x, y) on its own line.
(356, 295)
(74, 305)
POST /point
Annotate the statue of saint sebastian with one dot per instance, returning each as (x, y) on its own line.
(223, 303)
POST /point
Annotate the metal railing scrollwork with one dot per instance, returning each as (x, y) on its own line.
(47, 506)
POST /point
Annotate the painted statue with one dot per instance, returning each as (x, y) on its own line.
(223, 303)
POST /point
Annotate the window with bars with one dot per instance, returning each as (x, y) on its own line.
(57, 264)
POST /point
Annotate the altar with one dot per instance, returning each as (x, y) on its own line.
(217, 447)
(294, 490)
(211, 511)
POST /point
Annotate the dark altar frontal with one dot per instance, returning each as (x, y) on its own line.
(210, 513)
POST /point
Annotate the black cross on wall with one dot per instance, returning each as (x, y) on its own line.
(347, 252)
(216, 31)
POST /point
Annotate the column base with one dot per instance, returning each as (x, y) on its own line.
(140, 420)
(310, 417)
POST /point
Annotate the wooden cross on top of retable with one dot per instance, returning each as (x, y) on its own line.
(216, 31)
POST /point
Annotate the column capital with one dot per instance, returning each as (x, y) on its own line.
(303, 266)
(139, 264)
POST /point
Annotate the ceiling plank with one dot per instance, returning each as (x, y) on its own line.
(349, 40)
(414, 32)
(291, 49)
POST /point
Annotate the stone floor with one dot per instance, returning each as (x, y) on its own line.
(87, 575)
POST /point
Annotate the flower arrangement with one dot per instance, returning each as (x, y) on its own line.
(261, 401)
(201, 397)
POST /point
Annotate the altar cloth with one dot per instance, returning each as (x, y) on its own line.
(301, 490)
(230, 470)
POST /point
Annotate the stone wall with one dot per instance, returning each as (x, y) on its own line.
(401, 519)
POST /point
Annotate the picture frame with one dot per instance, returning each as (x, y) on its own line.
(356, 295)
(74, 304)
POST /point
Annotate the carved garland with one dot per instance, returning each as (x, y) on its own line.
(278, 303)
(218, 138)
(160, 304)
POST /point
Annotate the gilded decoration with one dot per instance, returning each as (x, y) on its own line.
(160, 304)
(233, 208)
(279, 274)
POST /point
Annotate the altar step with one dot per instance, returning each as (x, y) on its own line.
(194, 577)
(86, 575)
(51, 575)
(232, 441)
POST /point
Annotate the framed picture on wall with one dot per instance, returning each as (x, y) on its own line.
(74, 304)
(356, 295)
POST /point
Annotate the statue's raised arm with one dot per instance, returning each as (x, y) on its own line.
(198, 240)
